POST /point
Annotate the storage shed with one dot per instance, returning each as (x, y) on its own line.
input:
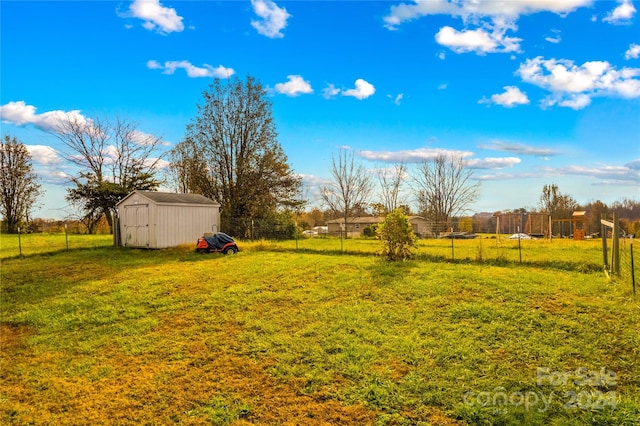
(149, 219)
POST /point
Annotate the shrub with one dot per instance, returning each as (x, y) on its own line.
(397, 237)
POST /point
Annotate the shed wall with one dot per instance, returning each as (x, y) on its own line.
(180, 224)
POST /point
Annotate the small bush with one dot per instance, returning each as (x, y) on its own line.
(397, 237)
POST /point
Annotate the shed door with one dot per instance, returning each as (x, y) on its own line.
(136, 225)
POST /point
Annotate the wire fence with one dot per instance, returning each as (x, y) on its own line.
(629, 266)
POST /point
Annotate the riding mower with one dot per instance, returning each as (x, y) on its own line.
(217, 243)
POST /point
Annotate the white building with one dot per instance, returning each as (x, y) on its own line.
(149, 219)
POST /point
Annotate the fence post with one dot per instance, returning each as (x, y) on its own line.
(519, 247)
(603, 233)
(452, 254)
(633, 271)
(19, 242)
(615, 246)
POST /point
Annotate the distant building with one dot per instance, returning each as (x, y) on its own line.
(356, 225)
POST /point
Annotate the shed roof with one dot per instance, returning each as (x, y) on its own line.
(172, 198)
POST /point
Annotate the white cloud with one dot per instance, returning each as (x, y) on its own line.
(362, 90)
(425, 154)
(330, 91)
(192, 71)
(50, 165)
(608, 174)
(508, 176)
(486, 21)
(519, 148)
(158, 163)
(510, 98)
(633, 52)
(555, 39)
(470, 10)
(492, 162)
(43, 154)
(411, 156)
(156, 17)
(634, 165)
(573, 86)
(397, 99)
(490, 40)
(576, 102)
(20, 114)
(621, 14)
(154, 65)
(294, 87)
(273, 19)
(142, 138)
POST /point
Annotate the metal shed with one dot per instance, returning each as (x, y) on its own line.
(149, 219)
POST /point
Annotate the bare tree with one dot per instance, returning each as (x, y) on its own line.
(391, 181)
(18, 183)
(444, 189)
(555, 203)
(351, 185)
(114, 158)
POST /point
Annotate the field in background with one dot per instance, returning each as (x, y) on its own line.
(580, 255)
(304, 333)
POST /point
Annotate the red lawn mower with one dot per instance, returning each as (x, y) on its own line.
(217, 243)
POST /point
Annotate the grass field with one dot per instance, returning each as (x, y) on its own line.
(306, 333)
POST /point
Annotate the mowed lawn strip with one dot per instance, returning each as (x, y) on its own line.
(278, 336)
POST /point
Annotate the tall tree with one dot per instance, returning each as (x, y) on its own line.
(555, 203)
(231, 153)
(114, 158)
(351, 185)
(444, 189)
(390, 181)
(18, 183)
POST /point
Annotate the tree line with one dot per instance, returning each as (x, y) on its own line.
(230, 153)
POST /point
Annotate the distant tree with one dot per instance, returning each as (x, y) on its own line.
(231, 154)
(314, 217)
(114, 158)
(626, 208)
(465, 224)
(390, 182)
(555, 203)
(396, 236)
(89, 219)
(18, 183)
(350, 188)
(378, 209)
(595, 210)
(444, 189)
(484, 222)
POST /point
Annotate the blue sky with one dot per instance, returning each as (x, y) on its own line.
(529, 92)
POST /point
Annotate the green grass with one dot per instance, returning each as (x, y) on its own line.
(314, 335)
